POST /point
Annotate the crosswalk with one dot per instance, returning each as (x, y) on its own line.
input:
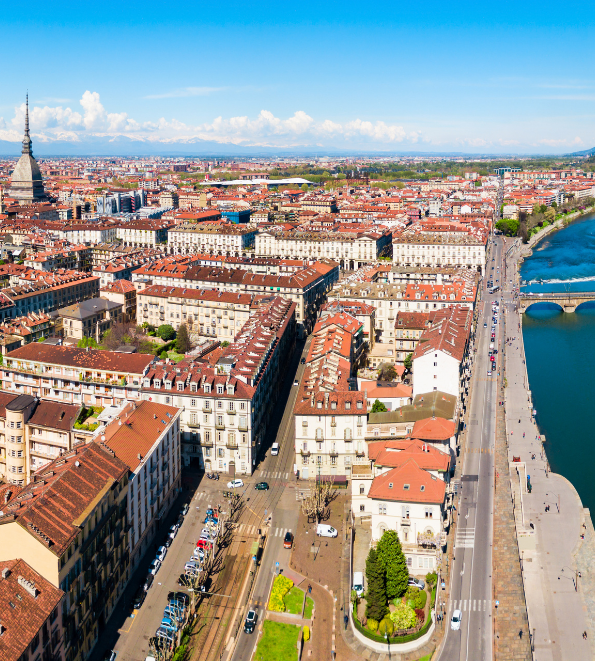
(246, 529)
(471, 605)
(465, 538)
(273, 475)
(480, 451)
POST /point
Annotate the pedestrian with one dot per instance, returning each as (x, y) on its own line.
(584, 635)
(521, 634)
(309, 589)
(346, 620)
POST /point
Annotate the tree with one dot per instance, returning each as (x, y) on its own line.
(87, 342)
(408, 362)
(378, 407)
(183, 340)
(305, 188)
(403, 617)
(315, 505)
(166, 332)
(376, 606)
(393, 563)
(387, 372)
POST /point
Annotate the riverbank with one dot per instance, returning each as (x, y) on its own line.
(550, 518)
(560, 223)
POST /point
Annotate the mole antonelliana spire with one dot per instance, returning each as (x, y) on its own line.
(27, 184)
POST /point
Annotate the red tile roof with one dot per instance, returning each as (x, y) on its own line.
(410, 484)
(433, 429)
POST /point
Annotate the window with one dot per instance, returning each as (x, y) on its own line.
(422, 487)
(405, 487)
(193, 403)
(381, 508)
(219, 390)
(362, 508)
(362, 489)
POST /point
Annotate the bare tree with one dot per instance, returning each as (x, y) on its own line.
(315, 505)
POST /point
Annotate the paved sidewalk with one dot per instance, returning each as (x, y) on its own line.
(548, 540)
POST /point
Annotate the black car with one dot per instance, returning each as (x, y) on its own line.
(139, 597)
(250, 622)
(148, 582)
(303, 361)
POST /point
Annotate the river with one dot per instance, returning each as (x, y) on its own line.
(560, 353)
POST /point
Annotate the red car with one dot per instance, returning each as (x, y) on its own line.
(203, 544)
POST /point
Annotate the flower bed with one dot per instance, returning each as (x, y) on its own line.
(281, 586)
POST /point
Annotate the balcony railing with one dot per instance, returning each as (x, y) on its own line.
(220, 425)
(305, 453)
(243, 426)
(193, 425)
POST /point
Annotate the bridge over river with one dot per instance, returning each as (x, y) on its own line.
(568, 301)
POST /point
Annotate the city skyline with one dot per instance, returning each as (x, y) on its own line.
(311, 78)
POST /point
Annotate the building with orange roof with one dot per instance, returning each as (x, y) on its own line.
(146, 437)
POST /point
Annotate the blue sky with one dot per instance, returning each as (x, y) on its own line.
(387, 76)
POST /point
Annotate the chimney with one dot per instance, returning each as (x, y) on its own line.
(5, 572)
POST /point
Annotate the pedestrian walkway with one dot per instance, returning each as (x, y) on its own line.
(272, 475)
(471, 605)
(549, 519)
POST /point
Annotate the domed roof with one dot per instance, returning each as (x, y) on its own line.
(27, 183)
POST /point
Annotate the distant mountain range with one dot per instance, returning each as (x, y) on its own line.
(123, 146)
(586, 152)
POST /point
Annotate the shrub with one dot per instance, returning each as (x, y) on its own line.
(372, 625)
(403, 617)
(306, 633)
(420, 614)
(166, 332)
(386, 627)
(281, 586)
(431, 578)
(418, 600)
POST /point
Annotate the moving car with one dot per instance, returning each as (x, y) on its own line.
(235, 484)
(262, 486)
(288, 541)
(296, 382)
(275, 449)
(302, 361)
(455, 623)
(250, 622)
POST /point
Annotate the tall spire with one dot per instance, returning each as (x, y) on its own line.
(27, 138)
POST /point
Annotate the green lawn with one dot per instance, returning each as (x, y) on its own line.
(176, 357)
(279, 641)
(308, 609)
(293, 601)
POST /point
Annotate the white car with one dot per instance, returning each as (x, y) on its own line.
(235, 484)
(161, 553)
(455, 623)
(154, 566)
(173, 531)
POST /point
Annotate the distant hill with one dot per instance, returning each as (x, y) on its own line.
(586, 152)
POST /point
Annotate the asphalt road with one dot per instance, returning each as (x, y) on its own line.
(285, 511)
(471, 582)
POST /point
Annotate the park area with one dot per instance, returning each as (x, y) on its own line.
(279, 641)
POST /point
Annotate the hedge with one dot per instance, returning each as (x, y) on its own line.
(400, 639)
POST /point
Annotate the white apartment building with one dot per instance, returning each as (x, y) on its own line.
(216, 239)
(436, 250)
(350, 250)
(143, 234)
(94, 233)
(146, 437)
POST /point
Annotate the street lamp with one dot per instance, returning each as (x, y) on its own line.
(558, 502)
(574, 578)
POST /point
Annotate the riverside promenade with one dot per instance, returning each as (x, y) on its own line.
(557, 564)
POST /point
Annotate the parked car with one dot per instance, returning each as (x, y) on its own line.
(204, 544)
(154, 566)
(148, 582)
(199, 553)
(165, 634)
(161, 553)
(191, 565)
(288, 541)
(455, 623)
(302, 361)
(250, 622)
(417, 582)
(184, 509)
(167, 542)
(235, 484)
(180, 597)
(296, 382)
(139, 598)
(262, 486)
(324, 530)
(173, 531)
(169, 624)
(110, 656)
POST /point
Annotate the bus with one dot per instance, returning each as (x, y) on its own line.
(493, 290)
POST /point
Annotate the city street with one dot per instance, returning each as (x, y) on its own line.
(471, 585)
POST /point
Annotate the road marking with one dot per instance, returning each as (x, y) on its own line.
(465, 605)
(474, 604)
(465, 538)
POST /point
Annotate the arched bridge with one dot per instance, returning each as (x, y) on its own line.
(568, 301)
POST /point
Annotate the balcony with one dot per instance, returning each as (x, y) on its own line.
(333, 453)
(243, 426)
(207, 444)
(360, 453)
(333, 424)
(193, 425)
(207, 408)
(231, 412)
(405, 521)
(220, 425)
(231, 446)
(305, 453)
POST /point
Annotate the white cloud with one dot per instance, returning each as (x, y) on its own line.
(266, 129)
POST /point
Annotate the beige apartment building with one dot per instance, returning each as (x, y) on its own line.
(206, 312)
(32, 433)
(91, 318)
(70, 525)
